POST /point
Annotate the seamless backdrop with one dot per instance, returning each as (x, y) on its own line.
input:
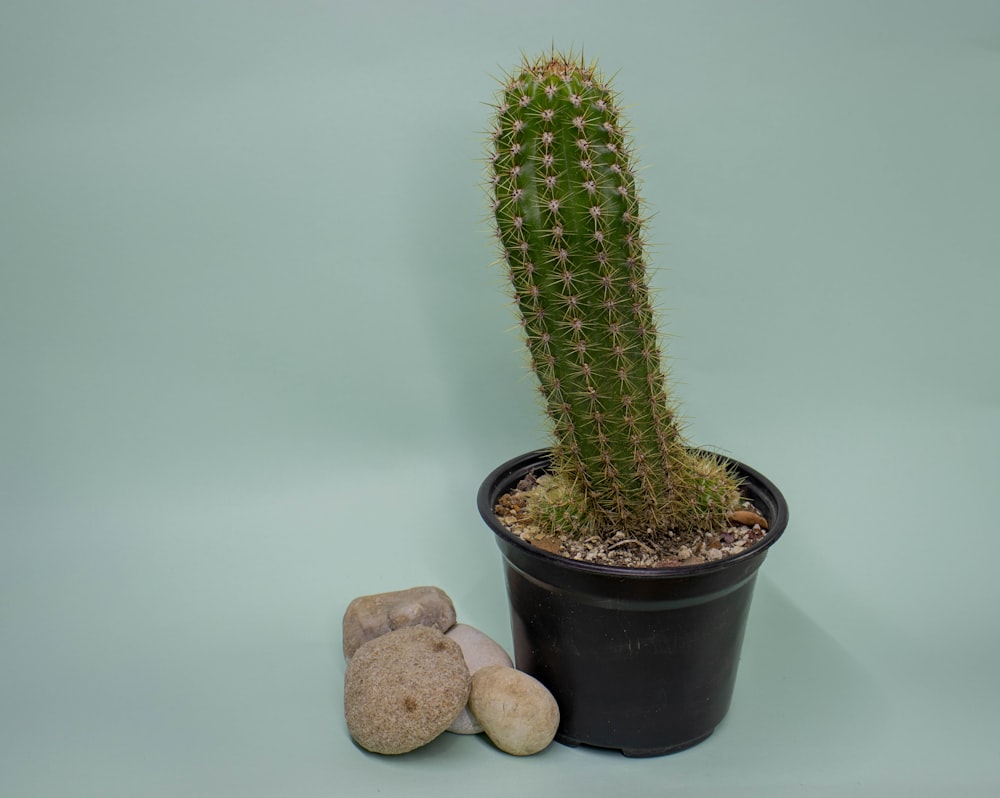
(255, 361)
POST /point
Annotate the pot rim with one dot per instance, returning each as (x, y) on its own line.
(504, 476)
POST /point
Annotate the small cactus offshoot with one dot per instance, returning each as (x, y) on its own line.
(569, 222)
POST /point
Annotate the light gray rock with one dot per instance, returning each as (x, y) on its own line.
(465, 723)
(516, 711)
(479, 650)
(404, 688)
(368, 617)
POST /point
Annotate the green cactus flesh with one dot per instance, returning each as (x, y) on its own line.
(569, 222)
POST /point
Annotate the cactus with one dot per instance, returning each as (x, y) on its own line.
(569, 222)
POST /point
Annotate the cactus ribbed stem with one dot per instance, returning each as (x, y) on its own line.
(569, 222)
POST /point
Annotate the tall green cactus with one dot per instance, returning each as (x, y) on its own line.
(569, 222)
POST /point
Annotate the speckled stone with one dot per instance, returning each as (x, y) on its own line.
(516, 711)
(368, 617)
(404, 688)
(479, 650)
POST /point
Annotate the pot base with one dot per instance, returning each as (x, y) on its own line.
(638, 753)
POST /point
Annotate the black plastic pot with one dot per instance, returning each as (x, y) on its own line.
(640, 660)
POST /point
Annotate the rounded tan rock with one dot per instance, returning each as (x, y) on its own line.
(404, 688)
(516, 711)
(368, 617)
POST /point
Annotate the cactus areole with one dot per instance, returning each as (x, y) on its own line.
(570, 225)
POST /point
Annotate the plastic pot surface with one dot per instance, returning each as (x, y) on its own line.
(640, 660)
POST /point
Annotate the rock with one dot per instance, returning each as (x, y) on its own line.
(368, 617)
(516, 711)
(551, 545)
(404, 688)
(747, 518)
(479, 650)
(465, 723)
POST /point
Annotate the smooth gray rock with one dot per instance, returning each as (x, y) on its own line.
(516, 711)
(368, 617)
(479, 650)
(404, 688)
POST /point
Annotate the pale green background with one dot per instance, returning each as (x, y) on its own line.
(255, 362)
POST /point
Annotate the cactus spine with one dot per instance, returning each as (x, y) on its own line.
(569, 223)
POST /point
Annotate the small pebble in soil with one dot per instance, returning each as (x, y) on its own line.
(747, 518)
